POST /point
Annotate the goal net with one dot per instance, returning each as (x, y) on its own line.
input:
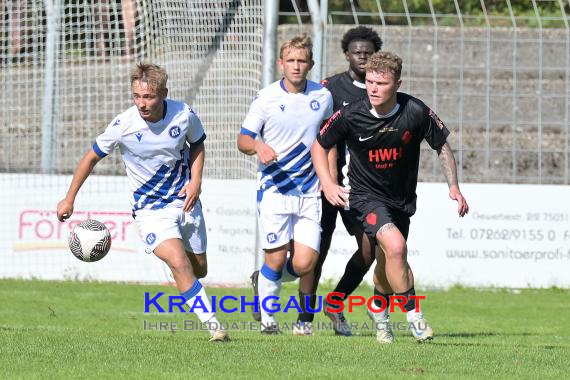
(64, 75)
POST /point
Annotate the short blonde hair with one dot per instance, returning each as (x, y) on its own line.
(151, 74)
(302, 41)
(385, 62)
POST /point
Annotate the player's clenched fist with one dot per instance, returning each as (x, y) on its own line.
(265, 153)
(64, 210)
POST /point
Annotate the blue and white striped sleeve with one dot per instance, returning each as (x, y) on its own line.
(195, 134)
(108, 140)
(254, 119)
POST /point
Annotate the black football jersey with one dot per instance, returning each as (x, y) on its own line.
(344, 91)
(385, 151)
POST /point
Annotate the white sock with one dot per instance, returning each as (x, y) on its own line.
(288, 273)
(383, 315)
(413, 314)
(191, 300)
(269, 284)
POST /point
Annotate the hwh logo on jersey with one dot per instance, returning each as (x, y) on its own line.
(381, 157)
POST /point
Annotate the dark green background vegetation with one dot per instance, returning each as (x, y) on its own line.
(446, 14)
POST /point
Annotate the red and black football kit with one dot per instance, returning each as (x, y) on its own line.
(344, 90)
(384, 157)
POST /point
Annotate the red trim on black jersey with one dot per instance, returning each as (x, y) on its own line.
(436, 118)
(327, 123)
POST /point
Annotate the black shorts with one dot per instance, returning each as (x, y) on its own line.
(328, 219)
(373, 214)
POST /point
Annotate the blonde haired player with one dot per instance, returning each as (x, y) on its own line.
(286, 116)
(162, 146)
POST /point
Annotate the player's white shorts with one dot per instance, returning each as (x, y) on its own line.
(289, 217)
(156, 226)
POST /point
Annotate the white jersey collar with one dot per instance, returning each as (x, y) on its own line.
(359, 84)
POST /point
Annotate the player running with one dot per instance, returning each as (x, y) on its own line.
(358, 44)
(383, 134)
(162, 146)
(286, 116)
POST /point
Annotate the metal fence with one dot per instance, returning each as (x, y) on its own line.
(501, 83)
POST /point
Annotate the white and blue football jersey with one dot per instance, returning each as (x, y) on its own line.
(156, 155)
(289, 124)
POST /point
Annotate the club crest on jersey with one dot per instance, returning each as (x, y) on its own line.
(271, 237)
(282, 106)
(139, 136)
(315, 105)
(406, 137)
(174, 131)
(150, 238)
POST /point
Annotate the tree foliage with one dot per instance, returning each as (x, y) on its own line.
(442, 12)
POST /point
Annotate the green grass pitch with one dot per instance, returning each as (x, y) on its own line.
(61, 330)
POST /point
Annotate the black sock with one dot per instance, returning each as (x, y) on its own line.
(386, 297)
(410, 303)
(355, 270)
(305, 316)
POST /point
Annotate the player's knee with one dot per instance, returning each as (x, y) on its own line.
(303, 266)
(179, 266)
(396, 251)
(396, 254)
(178, 263)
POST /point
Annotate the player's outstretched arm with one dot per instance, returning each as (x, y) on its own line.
(335, 194)
(449, 168)
(84, 168)
(248, 145)
(332, 157)
(193, 188)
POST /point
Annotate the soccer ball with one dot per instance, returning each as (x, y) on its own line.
(90, 240)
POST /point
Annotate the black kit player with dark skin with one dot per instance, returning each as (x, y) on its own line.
(358, 44)
(383, 133)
